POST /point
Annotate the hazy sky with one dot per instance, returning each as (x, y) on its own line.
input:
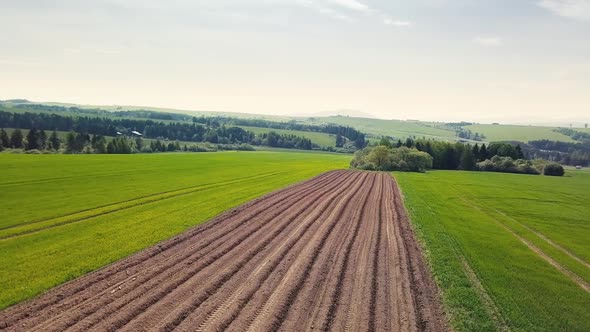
(478, 60)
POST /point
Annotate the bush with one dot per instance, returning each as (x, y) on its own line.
(507, 165)
(146, 149)
(382, 158)
(553, 169)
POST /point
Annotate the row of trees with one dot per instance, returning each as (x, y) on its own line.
(341, 132)
(457, 155)
(465, 133)
(574, 134)
(157, 130)
(562, 152)
(498, 157)
(86, 143)
(34, 140)
(151, 127)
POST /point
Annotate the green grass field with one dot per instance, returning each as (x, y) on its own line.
(510, 252)
(396, 128)
(518, 133)
(321, 139)
(66, 215)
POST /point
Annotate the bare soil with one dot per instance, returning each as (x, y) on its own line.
(334, 253)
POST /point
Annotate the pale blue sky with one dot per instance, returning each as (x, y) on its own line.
(476, 60)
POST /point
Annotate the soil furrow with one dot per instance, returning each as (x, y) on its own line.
(340, 276)
(275, 309)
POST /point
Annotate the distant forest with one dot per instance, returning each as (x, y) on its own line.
(216, 130)
(351, 134)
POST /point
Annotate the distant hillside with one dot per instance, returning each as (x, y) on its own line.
(374, 128)
(397, 129)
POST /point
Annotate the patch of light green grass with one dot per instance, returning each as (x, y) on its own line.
(480, 218)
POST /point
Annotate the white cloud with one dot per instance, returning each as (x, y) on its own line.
(488, 41)
(351, 4)
(396, 23)
(324, 10)
(577, 9)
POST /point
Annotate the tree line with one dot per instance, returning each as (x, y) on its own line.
(574, 134)
(411, 155)
(37, 140)
(193, 132)
(562, 152)
(341, 132)
(154, 128)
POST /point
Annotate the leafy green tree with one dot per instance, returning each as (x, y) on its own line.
(475, 152)
(385, 142)
(483, 152)
(42, 139)
(518, 152)
(119, 145)
(32, 139)
(4, 140)
(99, 144)
(54, 142)
(16, 139)
(71, 144)
(110, 148)
(553, 169)
(211, 136)
(449, 159)
(417, 161)
(399, 143)
(75, 142)
(467, 159)
(360, 142)
(381, 157)
(139, 143)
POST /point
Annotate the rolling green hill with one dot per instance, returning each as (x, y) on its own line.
(396, 128)
(321, 139)
(518, 133)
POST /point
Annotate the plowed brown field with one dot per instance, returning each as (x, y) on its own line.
(334, 253)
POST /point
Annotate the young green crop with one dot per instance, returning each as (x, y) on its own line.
(66, 215)
(508, 251)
